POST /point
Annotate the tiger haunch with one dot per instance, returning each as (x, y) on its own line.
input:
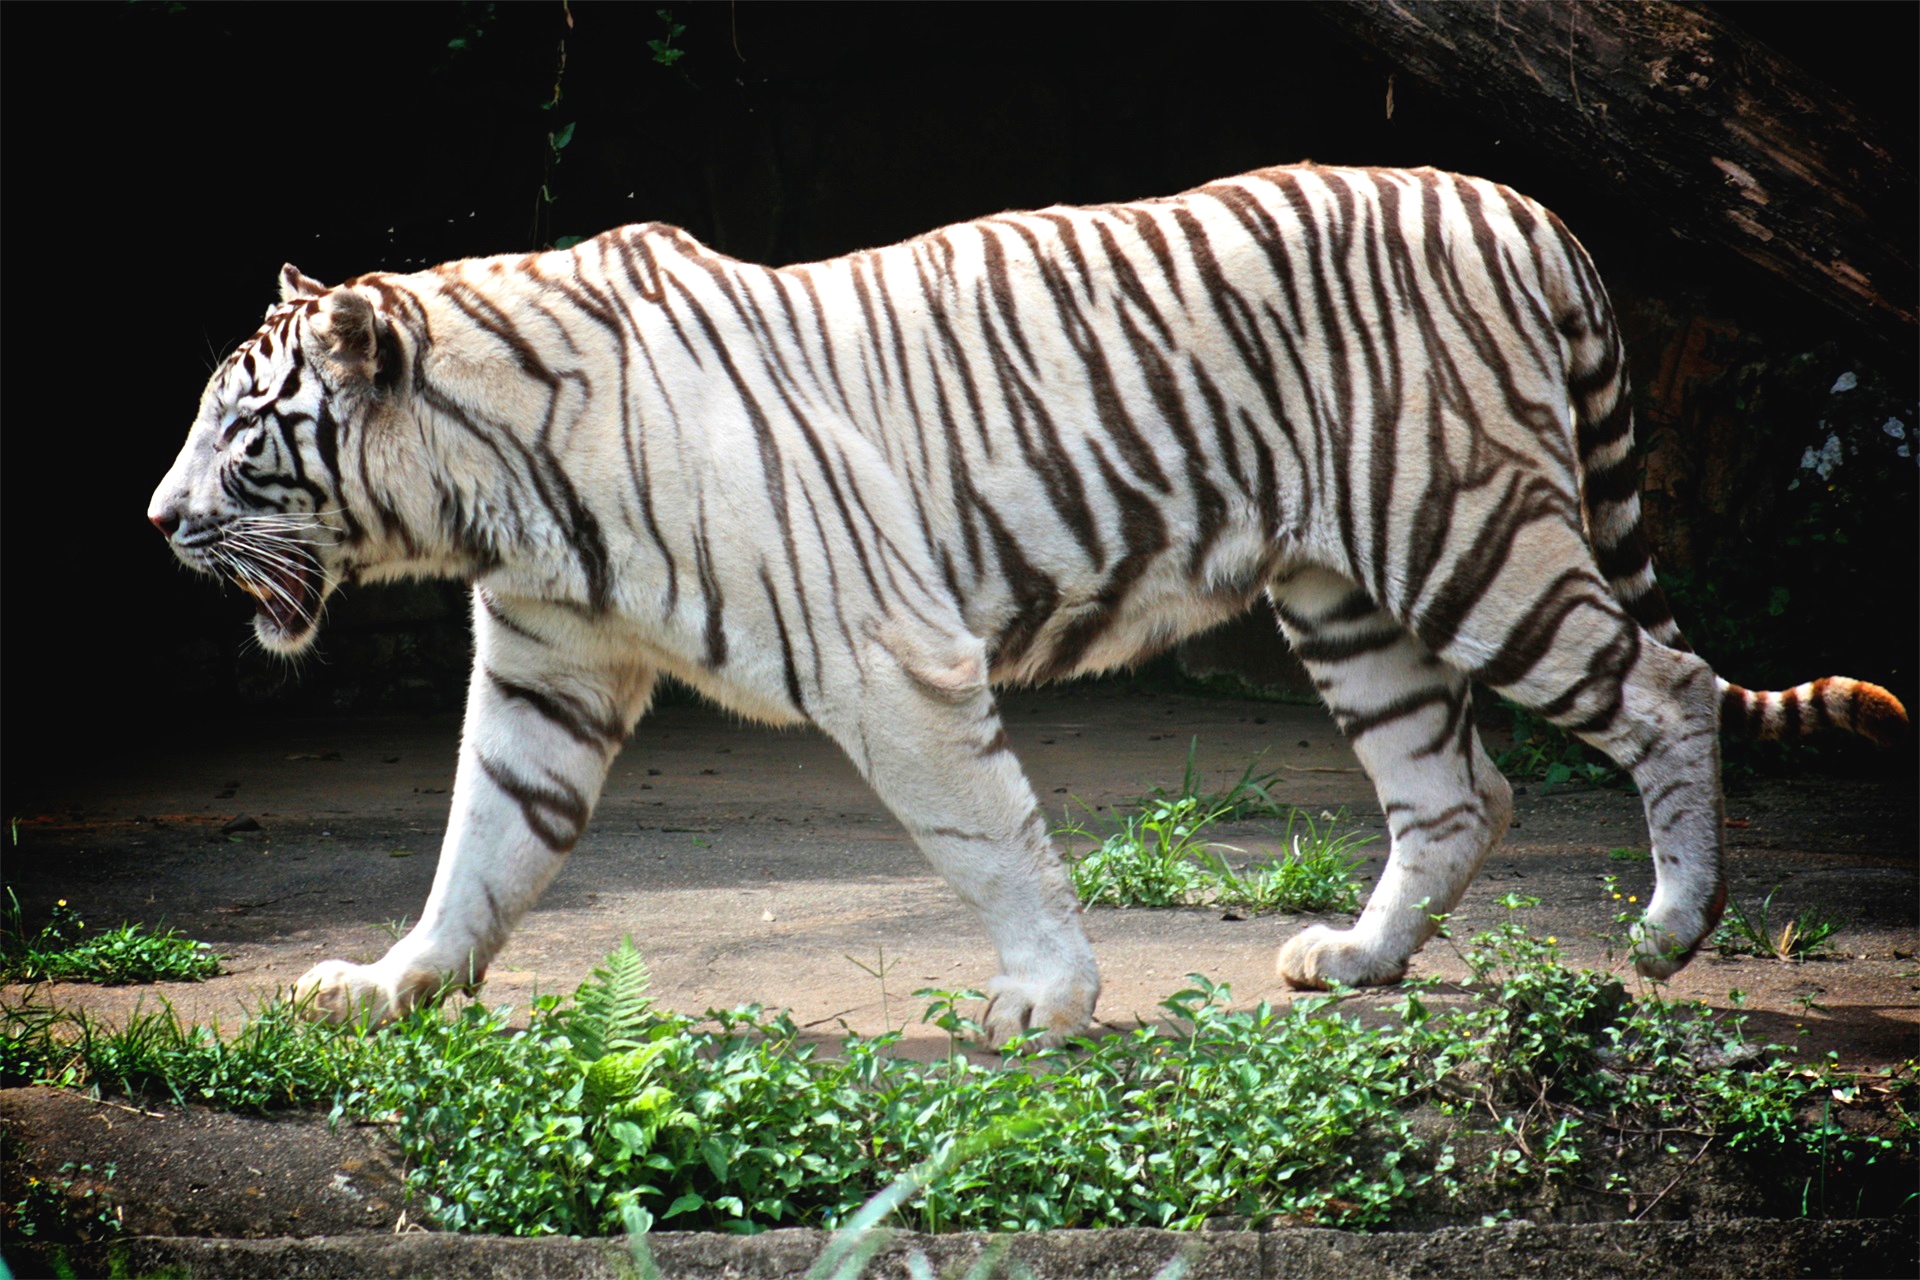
(860, 492)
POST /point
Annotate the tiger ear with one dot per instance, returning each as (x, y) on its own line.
(359, 342)
(296, 284)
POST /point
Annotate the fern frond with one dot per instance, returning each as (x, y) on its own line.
(611, 1008)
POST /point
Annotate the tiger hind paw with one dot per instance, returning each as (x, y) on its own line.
(1660, 952)
(1318, 958)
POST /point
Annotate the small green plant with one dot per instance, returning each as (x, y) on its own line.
(1249, 796)
(128, 953)
(1561, 1051)
(1316, 873)
(1755, 934)
(1542, 751)
(1626, 917)
(1160, 858)
(1156, 859)
(663, 51)
(55, 1216)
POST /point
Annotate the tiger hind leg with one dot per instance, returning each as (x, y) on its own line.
(1569, 653)
(923, 728)
(1408, 716)
(1665, 731)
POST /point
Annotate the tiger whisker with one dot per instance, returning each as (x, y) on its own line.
(253, 570)
(245, 526)
(281, 554)
(301, 519)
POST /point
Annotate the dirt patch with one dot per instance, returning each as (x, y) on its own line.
(753, 865)
(188, 1171)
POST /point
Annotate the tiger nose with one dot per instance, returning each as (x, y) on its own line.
(165, 521)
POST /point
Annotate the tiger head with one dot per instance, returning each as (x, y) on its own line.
(259, 494)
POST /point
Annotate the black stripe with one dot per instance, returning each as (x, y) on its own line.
(1316, 647)
(565, 712)
(794, 695)
(1357, 725)
(556, 813)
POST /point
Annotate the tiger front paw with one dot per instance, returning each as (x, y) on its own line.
(1057, 1011)
(337, 992)
(1321, 957)
(1659, 952)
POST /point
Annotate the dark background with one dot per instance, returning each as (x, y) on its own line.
(161, 161)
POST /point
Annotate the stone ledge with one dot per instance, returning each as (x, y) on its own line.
(1871, 1247)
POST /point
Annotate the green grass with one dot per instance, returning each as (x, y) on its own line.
(1315, 874)
(1755, 934)
(606, 1114)
(1248, 796)
(1156, 859)
(62, 951)
(1160, 857)
(271, 1061)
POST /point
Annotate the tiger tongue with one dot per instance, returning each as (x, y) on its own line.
(280, 598)
(286, 604)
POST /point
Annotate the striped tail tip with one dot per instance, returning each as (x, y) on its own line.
(1833, 703)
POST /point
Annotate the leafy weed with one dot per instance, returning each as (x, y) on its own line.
(1754, 933)
(128, 953)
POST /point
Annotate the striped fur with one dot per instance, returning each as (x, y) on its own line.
(862, 492)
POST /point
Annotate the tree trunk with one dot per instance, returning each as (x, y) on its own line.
(1682, 113)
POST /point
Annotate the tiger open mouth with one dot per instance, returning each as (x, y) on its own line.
(286, 594)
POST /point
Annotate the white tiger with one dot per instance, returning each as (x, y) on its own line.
(862, 492)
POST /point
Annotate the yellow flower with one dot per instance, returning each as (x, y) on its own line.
(63, 902)
(1552, 941)
(1616, 897)
(1633, 897)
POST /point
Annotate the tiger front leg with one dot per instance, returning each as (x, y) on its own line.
(924, 730)
(1018, 886)
(977, 821)
(548, 706)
